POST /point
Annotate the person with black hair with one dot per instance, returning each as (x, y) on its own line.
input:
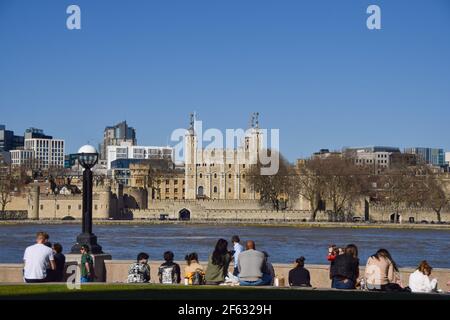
(299, 276)
(87, 265)
(139, 272)
(169, 272)
(218, 264)
(57, 275)
(194, 272)
(382, 273)
(345, 269)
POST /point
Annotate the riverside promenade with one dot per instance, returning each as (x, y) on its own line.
(116, 271)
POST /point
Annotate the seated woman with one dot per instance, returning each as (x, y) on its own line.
(218, 264)
(382, 272)
(419, 281)
(345, 269)
(299, 276)
(139, 272)
(194, 271)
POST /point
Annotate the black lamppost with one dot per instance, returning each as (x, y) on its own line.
(87, 158)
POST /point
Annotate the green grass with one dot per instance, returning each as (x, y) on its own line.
(160, 292)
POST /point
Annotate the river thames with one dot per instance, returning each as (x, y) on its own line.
(284, 244)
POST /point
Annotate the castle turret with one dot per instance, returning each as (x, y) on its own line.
(33, 203)
(190, 158)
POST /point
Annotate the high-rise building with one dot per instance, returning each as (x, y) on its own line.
(447, 158)
(34, 133)
(115, 136)
(433, 156)
(8, 140)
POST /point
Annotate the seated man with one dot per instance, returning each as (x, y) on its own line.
(252, 267)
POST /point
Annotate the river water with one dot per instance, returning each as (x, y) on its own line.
(284, 244)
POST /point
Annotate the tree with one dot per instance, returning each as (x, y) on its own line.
(10, 181)
(310, 186)
(343, 182)
(400, 186)
(272, 188)
(435, 193)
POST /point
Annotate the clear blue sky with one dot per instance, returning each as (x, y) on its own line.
(311, 68)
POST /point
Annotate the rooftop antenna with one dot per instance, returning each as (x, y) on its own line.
(257, 120)
(191, 120)
(252, 121)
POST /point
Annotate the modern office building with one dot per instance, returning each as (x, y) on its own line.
(128, 151)
(47, 152)
(8, 140)
(34, 133)
(447, 158)
(22, 158)
(433, 156)
(378, 157)
(115, 136)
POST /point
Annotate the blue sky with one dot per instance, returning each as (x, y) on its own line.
(311, 68)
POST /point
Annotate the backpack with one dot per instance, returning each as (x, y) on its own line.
(138, 273)
(196, 278)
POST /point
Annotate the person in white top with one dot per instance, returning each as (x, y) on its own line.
(419, 281)
(38, 259)
(237, 249)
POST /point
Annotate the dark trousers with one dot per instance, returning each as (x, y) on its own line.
(35, 280)
(343, 284)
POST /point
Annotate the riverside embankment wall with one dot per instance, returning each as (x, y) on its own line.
(117, 271)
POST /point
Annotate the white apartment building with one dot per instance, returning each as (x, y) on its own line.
(47, 152)
(447, 157)
(22, 158)
(128, 151)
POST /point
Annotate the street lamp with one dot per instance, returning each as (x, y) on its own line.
(87, 158)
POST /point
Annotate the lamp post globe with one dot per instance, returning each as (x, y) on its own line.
(87, 158)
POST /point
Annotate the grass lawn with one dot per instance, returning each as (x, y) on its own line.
(160, 292)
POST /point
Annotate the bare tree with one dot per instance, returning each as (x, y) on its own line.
(435, 193)
(343, 182)
(400, 186)
(11, 180)
(310, 184)
(272, 188)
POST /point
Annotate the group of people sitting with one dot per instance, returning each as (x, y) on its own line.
(44, 262)
(381, 272)
(251, 267)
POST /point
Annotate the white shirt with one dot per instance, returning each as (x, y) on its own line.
(419, 282)
(237, 250)
(37, 260)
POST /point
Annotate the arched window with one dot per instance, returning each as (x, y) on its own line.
(229, 190)
(200, 191)
(215, 189)
(201, 176)
(244, 191)
(215, 175)
(229, 176)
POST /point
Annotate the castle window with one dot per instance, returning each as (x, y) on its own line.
(167, 190)
(175, 190)
(175, 198)
(175, 182)
(96, 207)
(229, 190)
(42, 207)
(229, 166)
(243, 166)
(201, 176)
(184, 182)
(79, 207)
(69, 207)
(229, 176)
(243, 190)
(57, 207)
(243, 176)
(167, 181)
(215, 189)
(215, 175)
